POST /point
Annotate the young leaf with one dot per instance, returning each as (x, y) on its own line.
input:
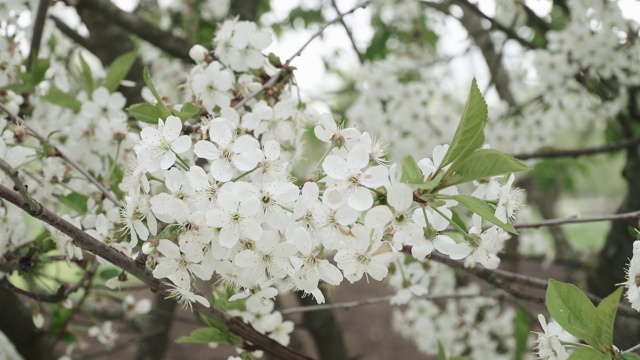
(75, 201)
(205, 335)
(482, 164)
(87, 76)
(441, 354)
(38, 70)
(606, 313)
(187, 111)
(469, 135)
(411, 173)
(483, 209)
(56, 96)
(164, 112)
(571, 308)
(119, 69)
(115, 178)
(628, 356)
(144, 112)
(587, 353)
(109, 273)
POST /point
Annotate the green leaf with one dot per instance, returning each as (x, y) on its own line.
(109, 273)
(441, 354)
(58, 97)
(205, 335)
(411, 173)
(39, 68)
(164, 112)
(19, 88)
(606, 312)
(522, 323)
(58, 318)
(482, 164)
(571, 308)
(187, 111)
(628, 356)
(483, 209)
(145, 112)
(75, 201)
(118, 70)
(115, 178)
(87, 77)
(469, 135)
(587, 353)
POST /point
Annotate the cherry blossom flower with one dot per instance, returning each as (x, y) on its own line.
(396, 217)
(364, 253)
(177, 266)
(104, 333)
(159, 146)
(235, 218)
(226, 151)
(549, 343)
(346, 176)
(269, 254)
(431, 223)
(633, 275)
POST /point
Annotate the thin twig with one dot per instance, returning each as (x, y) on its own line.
(546, 154)
(503, 279)
(495, 24)
(75, 165)
(375, 300)
(34, 206)
(349, 33)
(286, 67)
(61, 294)
(577, 220)
(38, 28)
(70, 33)
(632, 349)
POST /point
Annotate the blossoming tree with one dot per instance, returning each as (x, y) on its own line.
(163, 147)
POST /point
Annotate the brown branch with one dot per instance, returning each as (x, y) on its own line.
(495, 24)
(70, 33)
(376, 300)
(164, 40)
(90, 244)
(349, 33)
(577, 220)
(499, 278)
(550, 154)
(18, 185)
(287, 65)
(38, 27)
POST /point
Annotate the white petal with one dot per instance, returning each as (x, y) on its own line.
(400, 196)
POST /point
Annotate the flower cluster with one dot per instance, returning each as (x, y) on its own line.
(216, 197)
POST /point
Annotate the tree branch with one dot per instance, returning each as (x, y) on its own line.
(499, 279)
(372, 301)
(577, 220)
(349, 33)
(286, 67)
(550, 154)
(38, 27)
(164, 40)
(90, 244)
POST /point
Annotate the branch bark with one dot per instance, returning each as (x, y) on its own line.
(90, 244)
